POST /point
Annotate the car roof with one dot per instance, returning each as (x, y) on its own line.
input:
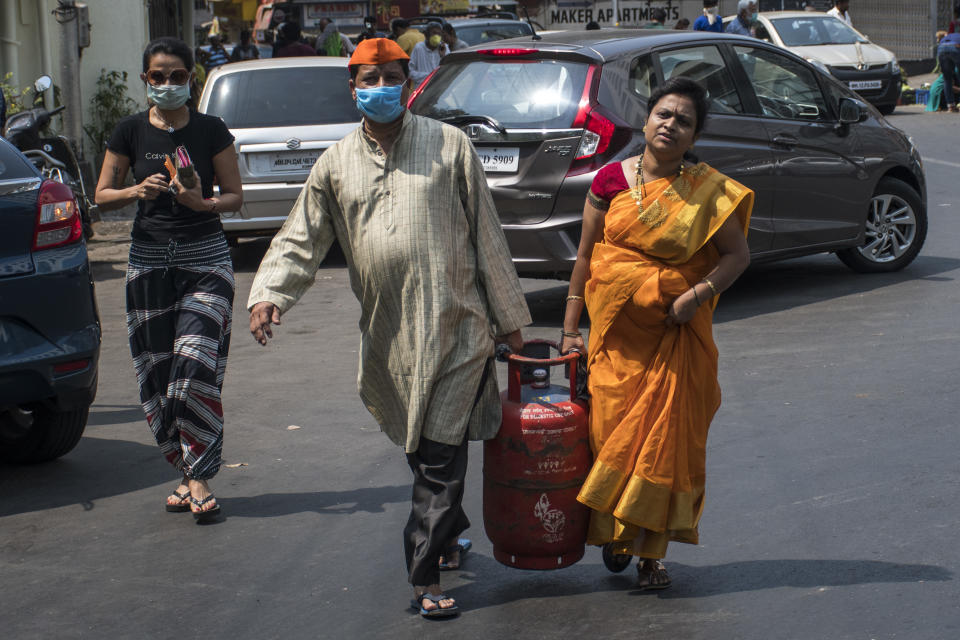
(606, 44)
(279, 63)
(795, 14)
(463, 22)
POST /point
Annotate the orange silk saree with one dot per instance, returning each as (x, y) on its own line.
(653, 389)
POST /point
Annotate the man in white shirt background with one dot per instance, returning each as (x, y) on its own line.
(841, 10)
(426, 55)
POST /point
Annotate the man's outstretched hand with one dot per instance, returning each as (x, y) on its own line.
(262, 316)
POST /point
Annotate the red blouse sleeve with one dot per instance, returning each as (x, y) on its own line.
(608, 182)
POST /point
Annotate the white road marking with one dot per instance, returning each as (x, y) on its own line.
(943, 162)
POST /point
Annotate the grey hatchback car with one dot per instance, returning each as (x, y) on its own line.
(829, 172)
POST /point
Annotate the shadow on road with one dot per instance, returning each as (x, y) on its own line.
(755, 575)
(98, 468)
(107, 414)
(773, 287)
(271, 505)
(103, 271)
(493, 585)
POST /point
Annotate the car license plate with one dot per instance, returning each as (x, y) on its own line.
(499, 159)
(857, 85)
(284, 161)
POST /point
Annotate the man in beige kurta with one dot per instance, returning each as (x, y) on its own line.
(430, 266)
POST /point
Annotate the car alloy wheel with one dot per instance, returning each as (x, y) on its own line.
(891, 228)
(894, 230)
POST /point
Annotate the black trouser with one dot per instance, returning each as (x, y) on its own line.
(949, 58)
(436, 516)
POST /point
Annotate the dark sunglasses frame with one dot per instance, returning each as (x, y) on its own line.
(157, 78)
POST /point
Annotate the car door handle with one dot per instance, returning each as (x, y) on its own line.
(786, 141)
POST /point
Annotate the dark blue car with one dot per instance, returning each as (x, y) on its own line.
(49, 327)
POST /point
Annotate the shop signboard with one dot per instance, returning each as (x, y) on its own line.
(342, 13)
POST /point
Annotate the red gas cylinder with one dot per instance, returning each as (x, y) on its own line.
(534, 468)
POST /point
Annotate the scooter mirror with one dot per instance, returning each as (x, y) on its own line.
(42, 84)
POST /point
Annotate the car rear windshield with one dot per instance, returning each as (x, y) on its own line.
(13, 166)
(542, 94)
(806, 32)
(283, 97)
(486, 33)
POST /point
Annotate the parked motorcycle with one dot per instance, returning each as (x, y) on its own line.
(54, 156)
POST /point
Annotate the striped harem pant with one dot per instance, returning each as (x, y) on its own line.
(179, 309)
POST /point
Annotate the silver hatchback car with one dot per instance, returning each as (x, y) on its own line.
(283, 112)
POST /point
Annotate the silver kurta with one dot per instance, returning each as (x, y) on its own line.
(430, 266)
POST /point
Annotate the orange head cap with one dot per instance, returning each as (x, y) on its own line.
(377, 51)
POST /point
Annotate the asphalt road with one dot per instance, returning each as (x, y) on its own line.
(833, 480)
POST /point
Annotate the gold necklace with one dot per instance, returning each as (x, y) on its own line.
(656, 214)
(641, 191)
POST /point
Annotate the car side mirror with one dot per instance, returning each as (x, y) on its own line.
(851, 111)
(42, 84)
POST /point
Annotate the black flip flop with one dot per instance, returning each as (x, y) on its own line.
(201, 516)
(449, 612)
(183, 506)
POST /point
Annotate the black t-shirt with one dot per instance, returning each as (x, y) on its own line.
(145, 145)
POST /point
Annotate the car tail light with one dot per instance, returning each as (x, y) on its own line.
(58, 217)
(423, 85)
(507, 52)
(596, 136)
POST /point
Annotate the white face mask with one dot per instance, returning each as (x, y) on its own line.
(712, 11)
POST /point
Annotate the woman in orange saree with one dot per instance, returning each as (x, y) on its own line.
(660, 241)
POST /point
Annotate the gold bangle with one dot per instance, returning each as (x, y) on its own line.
(712, 287)
(569, 298)
(571, 334)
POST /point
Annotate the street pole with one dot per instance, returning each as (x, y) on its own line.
(616, 13)
(66, 14)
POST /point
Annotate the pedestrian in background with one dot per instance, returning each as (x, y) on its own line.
(288, 43)
(406, 36)
(246, 50)
(450, 38)
(331, 42)
(841, 11)
(369, 29)
(426, 55)
(658, 17)
(955, 23)
(407, 200)
(743, 24)
(948, 55)
(179, 278)
(682, 24)
(217, 56)
(661, 240)
(593, 25)
(709, 21)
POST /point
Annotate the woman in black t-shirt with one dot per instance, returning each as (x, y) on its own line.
(180, 278)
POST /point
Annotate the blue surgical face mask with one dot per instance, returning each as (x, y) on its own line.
(169, 96)
(753, 17)
(381, 104)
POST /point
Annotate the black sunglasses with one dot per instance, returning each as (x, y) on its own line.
(177, 76)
